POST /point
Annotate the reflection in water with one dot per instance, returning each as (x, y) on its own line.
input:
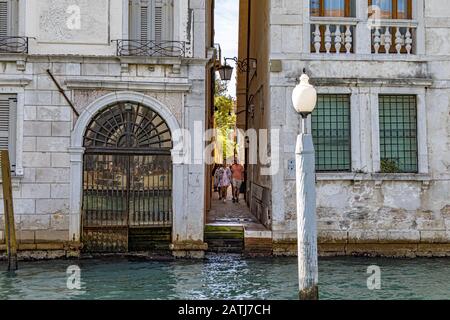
(225, 277)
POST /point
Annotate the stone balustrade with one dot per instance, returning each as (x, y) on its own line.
(333, 35)
(394, 37)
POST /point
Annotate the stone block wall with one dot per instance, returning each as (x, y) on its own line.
(87, 67)
(42, 193)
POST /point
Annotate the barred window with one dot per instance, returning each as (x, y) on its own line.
(398, 134)
(331, 129)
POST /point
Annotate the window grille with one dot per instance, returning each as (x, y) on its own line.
(331, 129)
(398, 134)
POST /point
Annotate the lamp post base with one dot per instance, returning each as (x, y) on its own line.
(309, 294)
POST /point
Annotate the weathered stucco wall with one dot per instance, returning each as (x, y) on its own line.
(253, 114)
(365, 212)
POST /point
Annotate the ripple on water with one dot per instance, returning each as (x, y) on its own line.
(226, 277)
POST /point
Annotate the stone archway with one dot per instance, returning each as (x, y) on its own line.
(77, 152)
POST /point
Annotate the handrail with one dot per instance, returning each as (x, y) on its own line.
(151, 48)
(335, 20)
(397, 23)
(14, 45)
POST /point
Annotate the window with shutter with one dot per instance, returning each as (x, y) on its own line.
(159, 24)
(144, 27)
(8, 126)
(4, 17)
(151, 20)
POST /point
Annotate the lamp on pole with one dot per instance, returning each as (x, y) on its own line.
(226, 71)
(304, 99)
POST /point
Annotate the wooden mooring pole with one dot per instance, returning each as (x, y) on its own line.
(10, 229)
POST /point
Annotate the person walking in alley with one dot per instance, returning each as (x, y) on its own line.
(216, 178)
(224, 174)
(237, 171)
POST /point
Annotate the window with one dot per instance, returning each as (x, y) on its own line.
(333, 8)
(393, 9)
(8, 18)
(331, 130)
(8, 105)
(398, 134)
(151, 20)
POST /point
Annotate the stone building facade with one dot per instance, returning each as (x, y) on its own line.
(383, 181)
(383, 175)
(154, 54)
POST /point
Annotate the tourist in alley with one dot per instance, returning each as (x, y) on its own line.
(237, 171)
(224, 175)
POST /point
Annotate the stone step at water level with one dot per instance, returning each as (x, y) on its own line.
(149, 239)
(224, 239)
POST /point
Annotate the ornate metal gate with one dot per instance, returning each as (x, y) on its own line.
(127, 182)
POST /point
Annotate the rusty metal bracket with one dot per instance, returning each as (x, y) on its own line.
(61, 90)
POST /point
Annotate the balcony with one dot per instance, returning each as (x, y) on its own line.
(333, 35)
(14, 45)
(394, 37)
(152, 48)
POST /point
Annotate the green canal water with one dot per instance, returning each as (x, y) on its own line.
(226, 277)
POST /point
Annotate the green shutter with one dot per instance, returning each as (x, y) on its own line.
(398, 134)
(331, 129)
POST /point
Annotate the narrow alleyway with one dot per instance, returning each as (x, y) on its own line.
(232, 228)
(230, 213)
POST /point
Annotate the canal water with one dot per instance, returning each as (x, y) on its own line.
(226, 277)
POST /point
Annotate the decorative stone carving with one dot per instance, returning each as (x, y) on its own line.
(21, 65)
(398, 41)
(377, 40)
(317, 39)
(348, 39)
(408, 41)
(124, 68)
(387, 40)
(328, 39)
(338, 39)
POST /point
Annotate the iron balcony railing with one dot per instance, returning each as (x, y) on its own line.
(13, 45)
(151, 48)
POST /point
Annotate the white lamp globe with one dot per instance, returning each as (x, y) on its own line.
(304, 97)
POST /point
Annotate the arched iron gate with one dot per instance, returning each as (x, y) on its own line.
(127, 180)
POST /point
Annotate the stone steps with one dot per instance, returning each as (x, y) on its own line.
(258, 243)
(224, 239)
(149, 239)
(236, 239)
